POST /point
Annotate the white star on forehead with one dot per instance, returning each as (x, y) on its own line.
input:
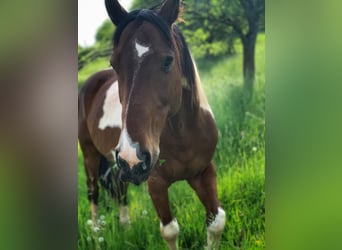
(141, 49)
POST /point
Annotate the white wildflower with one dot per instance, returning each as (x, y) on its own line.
(254, 149)
(101, 239)
(96, 229)
(89, 222)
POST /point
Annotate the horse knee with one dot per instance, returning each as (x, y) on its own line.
(215, 229)
(170, 233)
(93, 192)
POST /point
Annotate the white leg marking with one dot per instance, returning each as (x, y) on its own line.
(93, 209)
(141, 49)
(128, 149)
(111, 108)
(170, 233)
(124, 216)
(215, 229)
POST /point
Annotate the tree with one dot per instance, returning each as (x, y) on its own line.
(253, 9)
(206, 37)
(102, 47)
(104, 33)
(244, 16)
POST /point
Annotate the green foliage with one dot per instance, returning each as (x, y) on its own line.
(200, 48)
(105, 33)
(205, 33)
(239, 161)
(91, 68)
(102, 48)
(221, 22)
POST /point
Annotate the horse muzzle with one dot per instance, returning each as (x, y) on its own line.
(137, 173)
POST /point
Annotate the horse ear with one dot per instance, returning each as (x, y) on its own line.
(115, 11)
(170, 10)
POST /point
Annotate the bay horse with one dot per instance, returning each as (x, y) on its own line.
(152, 117)
(99, 112)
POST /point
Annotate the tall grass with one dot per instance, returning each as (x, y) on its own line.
(239, 159)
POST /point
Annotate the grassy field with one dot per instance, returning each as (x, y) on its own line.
(240, 163)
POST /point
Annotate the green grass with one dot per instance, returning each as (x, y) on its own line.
(89, 69)
(239, 159)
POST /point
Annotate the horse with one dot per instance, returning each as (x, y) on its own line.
(98, 97)
(152, 118)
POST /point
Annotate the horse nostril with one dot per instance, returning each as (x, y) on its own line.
(122, 164)
(146, 158)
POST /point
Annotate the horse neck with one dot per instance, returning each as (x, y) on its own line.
(193, 97)
(188, 114)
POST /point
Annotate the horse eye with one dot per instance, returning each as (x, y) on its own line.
(167, 63)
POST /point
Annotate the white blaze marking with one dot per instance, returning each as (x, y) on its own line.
(111, 108)
(128, 150)
(141, 49)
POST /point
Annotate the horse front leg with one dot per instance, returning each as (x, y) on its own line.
(169, 228)
(205, 187)
(123, 204)
(119, 194)
(91, 164)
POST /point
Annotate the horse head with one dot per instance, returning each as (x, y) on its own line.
(146, 60)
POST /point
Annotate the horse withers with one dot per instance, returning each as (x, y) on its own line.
(99, 128)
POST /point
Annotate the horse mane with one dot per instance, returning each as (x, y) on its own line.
(191, 92)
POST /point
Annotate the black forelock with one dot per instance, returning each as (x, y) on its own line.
(149, 15)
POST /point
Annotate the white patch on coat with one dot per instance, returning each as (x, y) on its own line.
(141, 49)
(215, 229)
(128, 149)
(111, 108)
(170, 233)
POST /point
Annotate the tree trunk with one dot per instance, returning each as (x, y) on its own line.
(249, 60)
(248, 42)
